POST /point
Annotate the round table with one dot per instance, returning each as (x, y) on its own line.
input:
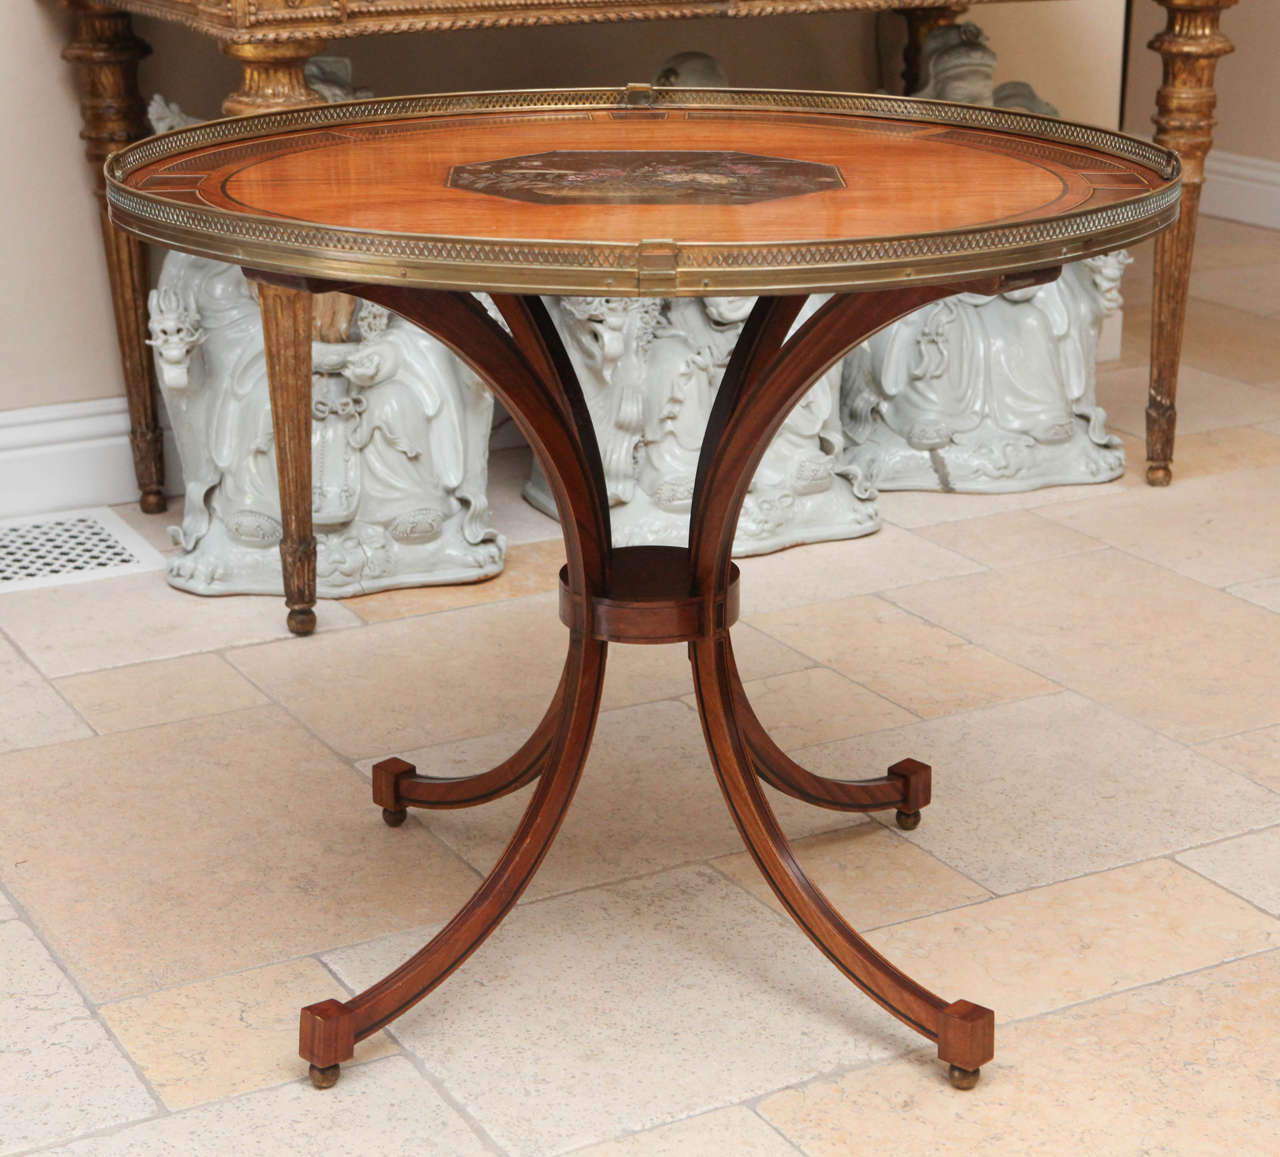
(884, 203)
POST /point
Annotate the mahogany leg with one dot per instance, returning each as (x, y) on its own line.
(286, 323)
(906, 786)
(330, 1030)
(765, 378)
(1190, 47)
(105, 53)
(398, 786)
(531, 374)
(964, 1032)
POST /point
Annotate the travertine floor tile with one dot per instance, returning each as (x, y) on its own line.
(928, 670)
(832, 570)
(1207, 400)
(32, 713)
(231, 1035)
(1229, 342)
(1253, 753)
(7, 910)
(384, 1109)
(154, 527)
(1261, 592)
(509, 514)
(869, 874)
(630, 1006)
(156, 857)
(648, 800)
(643, 674)
(412, 682)
(1248, 865)
(61, 1075)
(914, 509)
(1185, 1068)
(817, 705)
(1135, 345)
(1049, 947)
(1049, 788)
(1008, 539)
(122, 698)
(113, 622)
(1222, 244)
(736, 1131)
(1209, 452)
(1218, 530)
(1251, 288)
(531, 568)
(417, 682)
(1193, 662)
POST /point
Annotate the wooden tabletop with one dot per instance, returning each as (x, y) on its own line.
(644, 190)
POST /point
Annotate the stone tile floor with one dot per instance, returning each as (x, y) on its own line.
(188, 854)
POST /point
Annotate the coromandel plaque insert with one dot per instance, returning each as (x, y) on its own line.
(631, 177)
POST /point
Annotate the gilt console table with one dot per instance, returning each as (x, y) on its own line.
(883, 203)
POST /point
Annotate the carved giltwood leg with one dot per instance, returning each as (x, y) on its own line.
(286, 323)
(272, 77)
(106, 53)
(1190, 47)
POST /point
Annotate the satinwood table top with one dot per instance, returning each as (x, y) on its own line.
(644, 191)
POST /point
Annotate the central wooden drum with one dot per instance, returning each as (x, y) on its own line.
(883, 203)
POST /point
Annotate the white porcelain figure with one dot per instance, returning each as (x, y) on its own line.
(399, 439)
(650, 370)
(986, 394)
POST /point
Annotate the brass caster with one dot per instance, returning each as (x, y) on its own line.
(963, 1078)
(327, 1077)
(393, 817)
(1159, 475)
(908, 821)
(152, 502)
(302, 622)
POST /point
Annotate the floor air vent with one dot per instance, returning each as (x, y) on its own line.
(71, 546)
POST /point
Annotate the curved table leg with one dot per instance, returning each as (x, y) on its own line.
(534, 382)
(398, 786)
(330, 1029)
(904, 787)
(768, 374)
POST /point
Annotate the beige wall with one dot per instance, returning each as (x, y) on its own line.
(55, 324)
(1071, 52)
(1248, 92)
(58, 301)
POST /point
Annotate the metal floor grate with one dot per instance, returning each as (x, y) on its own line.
(72, 546)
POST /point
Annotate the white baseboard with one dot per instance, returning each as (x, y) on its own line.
(1242, 188)
(71, 455)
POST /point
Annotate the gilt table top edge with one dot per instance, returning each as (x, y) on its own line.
(630, 269)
